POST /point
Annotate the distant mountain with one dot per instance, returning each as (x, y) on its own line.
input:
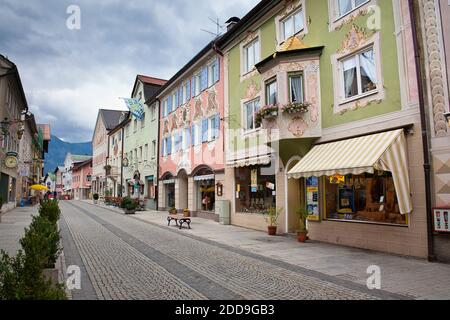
(58, 149)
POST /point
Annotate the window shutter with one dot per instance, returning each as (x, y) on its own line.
(204, 78)
(175, 143)
(188, 137)
(193, 86)
(188, 90)
(193, 134)
(169, 105)
(204, 130)
(217, 71)
(169, 146)
(180, 95)
(163, 149)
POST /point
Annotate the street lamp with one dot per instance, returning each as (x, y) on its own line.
(6, 124)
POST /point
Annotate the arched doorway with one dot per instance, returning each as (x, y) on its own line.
(168, 191)
(204, 190)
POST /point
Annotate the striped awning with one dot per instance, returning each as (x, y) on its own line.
(383, 151)
(251, 161)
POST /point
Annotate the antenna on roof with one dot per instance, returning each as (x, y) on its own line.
(218, 26)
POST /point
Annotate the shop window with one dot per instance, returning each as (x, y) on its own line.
(250, 109)
(363, 198)
(292, 24)
(206, 193)
(271, 92)
(359, 74)
(255, 192)
(296, 88)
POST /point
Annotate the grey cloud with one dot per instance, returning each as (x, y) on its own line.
(68, 75)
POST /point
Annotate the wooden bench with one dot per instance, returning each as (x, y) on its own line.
(179, 220)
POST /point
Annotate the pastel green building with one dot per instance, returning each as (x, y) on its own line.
(331, 83)
(140, 172)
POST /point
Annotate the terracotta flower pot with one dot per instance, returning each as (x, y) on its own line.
(272, 230)
(302, 236)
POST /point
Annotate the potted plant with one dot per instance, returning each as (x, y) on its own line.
(95, 196)
(267, 112)
(128, 205)
(186, 213)
(302, 233)
(173, 210)
(272, 215)
(296, 107)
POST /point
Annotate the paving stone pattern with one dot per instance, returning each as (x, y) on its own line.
(129, 259)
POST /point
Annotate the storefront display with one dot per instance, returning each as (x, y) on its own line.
(441, 220)
(312, 198)
(206, 195)
(366, 198)
(255, 192)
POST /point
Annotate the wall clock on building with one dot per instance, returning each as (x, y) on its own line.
(11, 161)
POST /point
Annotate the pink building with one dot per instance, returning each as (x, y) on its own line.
(59, 181)
(191, 161)
(81, 180)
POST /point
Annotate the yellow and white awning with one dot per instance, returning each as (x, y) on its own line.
(383, 151)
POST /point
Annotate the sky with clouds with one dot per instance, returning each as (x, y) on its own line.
(69, 74)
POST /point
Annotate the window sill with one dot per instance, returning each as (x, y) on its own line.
(361, 96)
(250, 132)
(368, 222)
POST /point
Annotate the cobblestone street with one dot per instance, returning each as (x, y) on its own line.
(123, 258)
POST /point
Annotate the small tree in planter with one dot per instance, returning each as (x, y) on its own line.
(128, 205)
(267, 112)
(302, 215)
(95, 196)
(173, 210)
(272, 215)
(186, 213)
(296, 107)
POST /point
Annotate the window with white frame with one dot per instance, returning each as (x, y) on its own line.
(292, 24)
(296, 88)
(185, 93)
(250, 108)
(212, 128)
(165, 107)
(197, 133)
(251, 55)
(198, 84)
(212, 73)
(345, 6)
(359, 74)
(146, 152)
(271, 92)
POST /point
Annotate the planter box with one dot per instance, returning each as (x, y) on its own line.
(129, 211)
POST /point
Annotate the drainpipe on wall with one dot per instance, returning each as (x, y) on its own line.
(423, 119)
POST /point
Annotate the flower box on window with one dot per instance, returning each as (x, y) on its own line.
(266, 112)
(296, 107)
